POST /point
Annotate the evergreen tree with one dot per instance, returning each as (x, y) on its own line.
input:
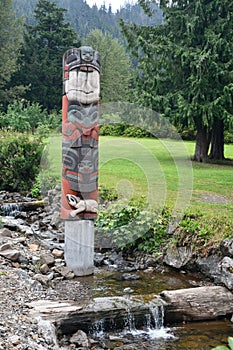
(10, 31)
(43, 48)
(186, 68)
(115, 66)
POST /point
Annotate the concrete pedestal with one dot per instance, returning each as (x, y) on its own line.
(79, 246)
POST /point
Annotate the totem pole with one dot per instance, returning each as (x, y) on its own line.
(80, 114)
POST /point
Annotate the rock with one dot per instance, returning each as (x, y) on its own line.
(58, 253)
(178, 257)
(44, 269)
(5, 232)
(23, 259)
(15, 340)
(210, 267)
(44, 280)
(65, 272)
(226, 247)
(33, 247)
(99, 259)
(47, 259)
(48, 331)
(130, 277)
(115, 258)
(55, 220)
(35, 259)
(226, 268)
(5, 246)
(11, 254)
(80, 338)
(128, 290)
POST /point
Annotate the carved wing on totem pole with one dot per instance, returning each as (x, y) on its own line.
(80, 116)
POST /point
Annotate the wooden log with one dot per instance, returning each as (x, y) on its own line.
(196, 304)
(116, 313)
(112, 312)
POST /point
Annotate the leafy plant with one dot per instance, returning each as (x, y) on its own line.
(20, 160)
(222, 347)
(23, 116)
(131, 226)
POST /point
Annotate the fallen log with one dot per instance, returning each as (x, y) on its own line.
(197, 304)
(112, 313)
(116, 313)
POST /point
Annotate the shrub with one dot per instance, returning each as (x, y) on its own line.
(25, 117)
(130, 226)
(228, 137)
(20, 157)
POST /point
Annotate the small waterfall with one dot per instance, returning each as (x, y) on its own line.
(10, 209)
(157, 313)
(130, 321)
(97, 329)
(153, 325)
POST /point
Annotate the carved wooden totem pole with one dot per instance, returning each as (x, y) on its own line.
(80, 114)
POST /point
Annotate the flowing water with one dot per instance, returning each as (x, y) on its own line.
(154, 335)
(10, 209)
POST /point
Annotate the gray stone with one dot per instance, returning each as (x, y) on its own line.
(35, 259)
(226, 247)
(5, 246)
(226, 267)
(11, 254)
(98, 259)
(44, 269)
(80, 338)
(210, 267)
(178, 257)
(5, 232)
(130, 277)
(47, 259)
(44, 280)
(65, 272)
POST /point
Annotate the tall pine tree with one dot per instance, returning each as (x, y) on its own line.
(10, 31)
(186, 68)
(42, 51)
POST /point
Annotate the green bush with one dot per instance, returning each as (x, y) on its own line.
(43, 183)
(20, 156)
(122, 129)
(25, 117)
(228, 137)
(130, 226)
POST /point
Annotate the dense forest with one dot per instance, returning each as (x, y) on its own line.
(175, 58)
(84, 18)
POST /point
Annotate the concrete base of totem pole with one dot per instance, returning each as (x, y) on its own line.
(79, 246)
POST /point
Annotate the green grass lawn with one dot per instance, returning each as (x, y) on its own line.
(158, 172)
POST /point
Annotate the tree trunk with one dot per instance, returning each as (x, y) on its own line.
(202, 144)
(217, 140)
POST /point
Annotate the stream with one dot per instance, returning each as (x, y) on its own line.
(198, 335)
(108, 282)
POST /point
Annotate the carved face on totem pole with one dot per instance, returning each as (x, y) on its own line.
(80, 114)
